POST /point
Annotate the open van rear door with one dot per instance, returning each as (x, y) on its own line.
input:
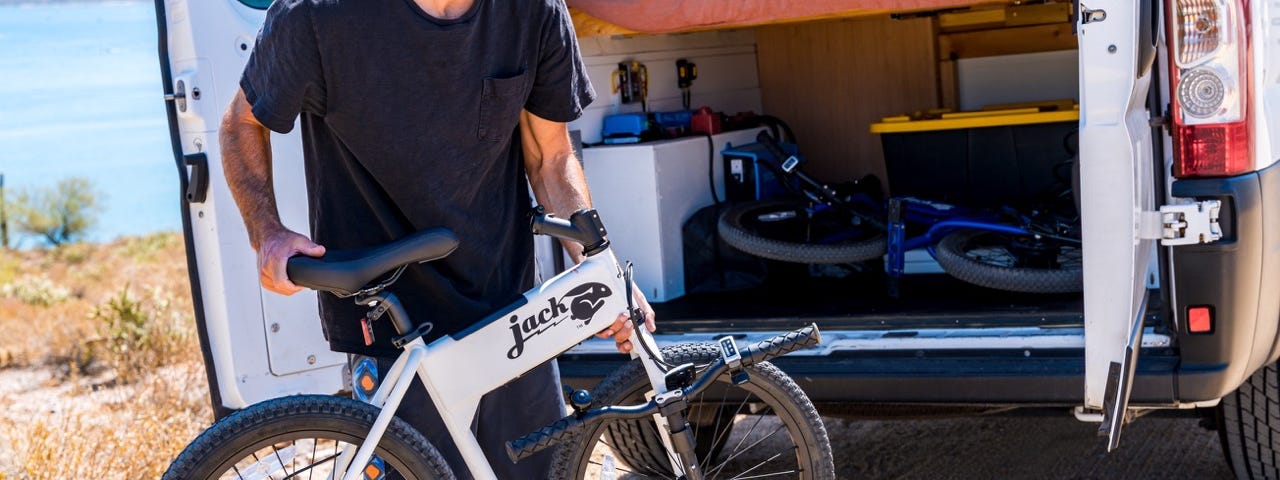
(204, 45)
(1116, 169)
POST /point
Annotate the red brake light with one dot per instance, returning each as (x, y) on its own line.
(1210, 86)
(1200, 320)
(1212, 150)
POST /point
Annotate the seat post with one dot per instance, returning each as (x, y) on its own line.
(390, 304)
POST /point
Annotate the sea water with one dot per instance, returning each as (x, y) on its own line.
(81, 95)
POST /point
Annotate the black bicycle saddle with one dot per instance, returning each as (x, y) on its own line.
(344, 272)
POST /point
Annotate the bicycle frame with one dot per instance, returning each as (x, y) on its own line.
(941, 222)
(550, 318)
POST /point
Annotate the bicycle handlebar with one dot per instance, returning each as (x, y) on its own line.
(818, 191)
(569, 426)
(583, 227)
(546, 437)
(782, 344)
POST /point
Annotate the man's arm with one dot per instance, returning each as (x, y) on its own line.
(559, 185)
(246, 164)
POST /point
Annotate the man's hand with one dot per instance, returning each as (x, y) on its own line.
(274, 251)
(246, 162)
(622, 326)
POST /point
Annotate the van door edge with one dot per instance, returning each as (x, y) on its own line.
(193, 274)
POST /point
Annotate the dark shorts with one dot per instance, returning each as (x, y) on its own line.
(522, 406)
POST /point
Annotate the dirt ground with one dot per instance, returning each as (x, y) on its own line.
(1019, 447)
(1005, 448)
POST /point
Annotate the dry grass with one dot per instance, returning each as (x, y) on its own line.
(100, 373)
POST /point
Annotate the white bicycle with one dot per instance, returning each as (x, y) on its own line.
(691, 411)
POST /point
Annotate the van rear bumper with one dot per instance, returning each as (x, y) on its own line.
(1237, 277)
(1009, 377)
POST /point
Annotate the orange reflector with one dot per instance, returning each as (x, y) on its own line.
(372, 471)
(367, 383)
(1200, 319)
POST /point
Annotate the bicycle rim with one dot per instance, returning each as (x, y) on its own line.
(785, 230)
(302, 437)
(306, 455)
(1000, 250)
(764, 428)
(1012, 263)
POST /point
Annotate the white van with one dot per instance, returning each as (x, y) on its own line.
(1181, 226)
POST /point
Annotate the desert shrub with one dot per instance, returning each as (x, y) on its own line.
(138, 335)
(35, 290)
(147, 247)
(59, 214)
(72, 253)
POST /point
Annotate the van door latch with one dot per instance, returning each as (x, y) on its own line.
(1088, 16)
(1183, 224)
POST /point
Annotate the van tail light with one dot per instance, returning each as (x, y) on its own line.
(1209, 81)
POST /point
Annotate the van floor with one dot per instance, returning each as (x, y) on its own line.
(861, 302)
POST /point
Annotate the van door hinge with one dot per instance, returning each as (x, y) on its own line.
(1183, 224)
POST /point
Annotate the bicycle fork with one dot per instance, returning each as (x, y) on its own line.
(672, 418)
(674, 407)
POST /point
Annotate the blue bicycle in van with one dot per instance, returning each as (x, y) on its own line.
(1033, 251)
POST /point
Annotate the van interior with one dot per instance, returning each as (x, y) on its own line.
(830, 80)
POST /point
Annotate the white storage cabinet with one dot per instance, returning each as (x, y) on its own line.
(645, 192)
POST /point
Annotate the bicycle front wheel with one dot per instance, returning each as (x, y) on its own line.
(302, 437)
(764, 428)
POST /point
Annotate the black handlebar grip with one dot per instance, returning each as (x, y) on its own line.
(781, 345)
(546, 437)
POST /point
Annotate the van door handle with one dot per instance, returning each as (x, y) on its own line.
(198, 179)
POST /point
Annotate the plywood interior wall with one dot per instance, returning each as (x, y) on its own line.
(830, 80)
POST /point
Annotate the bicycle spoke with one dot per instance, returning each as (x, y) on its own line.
(256, 461)
(615, 467)
(747, 435)
(716, 472)
(719, 416)
(741, 476)
(604, 442)
(767, 475)
(275, 451)
(728, 427)
(314, 464)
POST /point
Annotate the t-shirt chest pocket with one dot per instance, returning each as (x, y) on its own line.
(500, 104)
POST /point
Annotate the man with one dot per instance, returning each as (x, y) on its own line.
(419, 114)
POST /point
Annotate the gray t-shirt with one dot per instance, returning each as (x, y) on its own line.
(410, 122)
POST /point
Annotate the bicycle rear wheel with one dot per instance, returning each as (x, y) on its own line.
(1016, 263)
(301, 437)
(764, 428)
(784, 230)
